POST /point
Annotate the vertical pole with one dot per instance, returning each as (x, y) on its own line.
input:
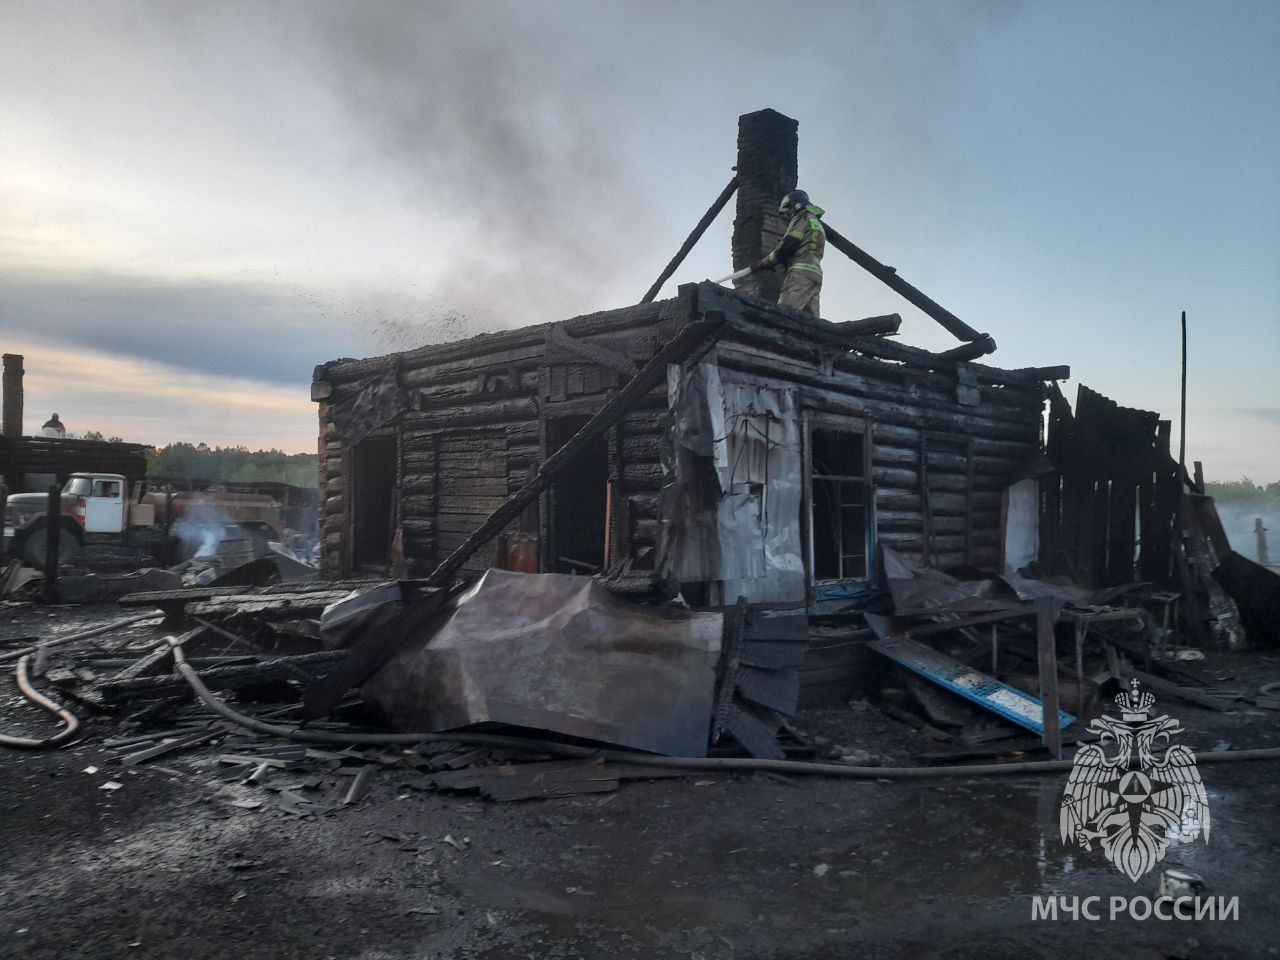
(4, 500)
(11, 387)
(1081, 627)
(1260, 532)
(1182, 411)
(608, 522)
(995, 649)
(166, 551)
(53, 531)
(1178, 541)
(1048, 678)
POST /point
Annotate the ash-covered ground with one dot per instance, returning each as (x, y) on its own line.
(708, 866)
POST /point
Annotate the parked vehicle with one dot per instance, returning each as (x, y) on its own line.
(96, 510)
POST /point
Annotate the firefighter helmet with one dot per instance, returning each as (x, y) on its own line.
(793, 201)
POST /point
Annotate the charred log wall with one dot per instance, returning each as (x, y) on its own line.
(474, 426)
(944, 446)
(945, 442)
(1108, 516)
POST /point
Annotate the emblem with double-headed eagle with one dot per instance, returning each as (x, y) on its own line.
(1132, 803)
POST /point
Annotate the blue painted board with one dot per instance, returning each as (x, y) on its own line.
(988, 692)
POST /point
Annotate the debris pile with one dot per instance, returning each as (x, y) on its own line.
(500, 681)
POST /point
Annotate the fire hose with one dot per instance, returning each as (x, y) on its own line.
(692, 764)
(40, 700)
(72, 637)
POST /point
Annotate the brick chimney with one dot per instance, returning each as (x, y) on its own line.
(767, 169)
(11, 388)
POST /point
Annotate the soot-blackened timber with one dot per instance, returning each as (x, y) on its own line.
(767, 467)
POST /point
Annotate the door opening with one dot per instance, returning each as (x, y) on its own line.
(373, 468)
(578, 502)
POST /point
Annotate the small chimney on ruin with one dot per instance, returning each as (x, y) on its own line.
(11, 395)
(768, 165)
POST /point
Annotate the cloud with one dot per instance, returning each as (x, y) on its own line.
(243, 330)
(1268, 415)
(147, 402)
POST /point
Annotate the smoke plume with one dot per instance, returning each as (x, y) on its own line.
(502, 143)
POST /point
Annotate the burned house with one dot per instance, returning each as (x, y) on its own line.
(723, 446)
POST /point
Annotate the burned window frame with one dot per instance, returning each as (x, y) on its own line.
(817, 420)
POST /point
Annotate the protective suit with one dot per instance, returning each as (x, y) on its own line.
(801, 253)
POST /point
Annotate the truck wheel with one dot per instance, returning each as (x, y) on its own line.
(36, 547)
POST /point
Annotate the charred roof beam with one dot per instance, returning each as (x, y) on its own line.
(889, 276)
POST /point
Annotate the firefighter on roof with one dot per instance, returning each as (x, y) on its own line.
(800, 252)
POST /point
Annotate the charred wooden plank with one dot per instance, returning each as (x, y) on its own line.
(694, 236)
(776, 689)
(159, 660)
(750, 730)
(221, 678)
(774, 654)
(371, 649)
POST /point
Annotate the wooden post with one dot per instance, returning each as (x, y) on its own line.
(167, 550)
(1182, 418)
(1191, 607)
(53, 531)
(609, 486)
(1047, 645)
(1080, 628)
(1259, 531)
(1198, 468)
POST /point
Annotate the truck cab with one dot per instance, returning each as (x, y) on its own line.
(96, 501)
(95, 508)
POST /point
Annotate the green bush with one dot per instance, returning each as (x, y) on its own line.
(186, 461)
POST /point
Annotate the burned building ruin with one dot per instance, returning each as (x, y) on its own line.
(767, 461)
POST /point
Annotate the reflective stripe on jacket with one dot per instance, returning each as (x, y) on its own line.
(804, 242)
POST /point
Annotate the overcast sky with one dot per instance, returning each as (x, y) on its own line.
(199, 202)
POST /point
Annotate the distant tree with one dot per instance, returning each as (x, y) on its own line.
(1244, 492)
(184, 461)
